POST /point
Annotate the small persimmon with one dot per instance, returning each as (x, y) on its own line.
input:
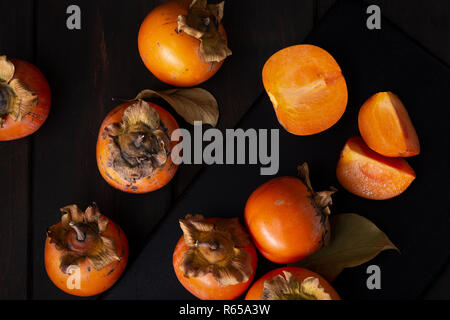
(307, 89)
(86, 253)
(287, 220)
(214, 259)
(183, 43)
(386, 127)
(24, 99)
(291, 283)
(370, 175)
(134, 147)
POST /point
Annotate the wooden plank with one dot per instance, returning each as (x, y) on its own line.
(89, 67)
(16, 40)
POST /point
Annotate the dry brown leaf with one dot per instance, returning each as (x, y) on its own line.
(194, 104)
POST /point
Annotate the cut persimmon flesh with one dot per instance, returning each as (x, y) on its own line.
(370, 175)
(307, 89)
(386, 127)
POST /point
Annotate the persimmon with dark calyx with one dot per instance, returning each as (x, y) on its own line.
(386, 127)
(307, 89)
(183, 43)
(292, 283)
(214, 259)
(24, 99)
(86, 253)
(134, 147)
(287, 219)
(370, 175)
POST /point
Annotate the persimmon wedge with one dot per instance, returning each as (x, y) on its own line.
(370, 175)
(307, 89)
(386, 127)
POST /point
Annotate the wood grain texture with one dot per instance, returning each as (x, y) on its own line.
(16, 40)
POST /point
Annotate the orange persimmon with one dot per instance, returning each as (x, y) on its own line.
(86, 253)
(386, 127)
(287, 220)
(307, 89)
(292, 283)
(24, 99)
(183, 43)
(134, 147)
(214, 259)
(370, 175)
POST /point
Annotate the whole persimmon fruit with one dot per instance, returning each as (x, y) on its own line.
(183, 43)
(86, 253)
(287, 220)
(291, 283)
(370, 175)
(307, 89)
(214, 259)
(134, 147)
(386, 127)
(24, 99)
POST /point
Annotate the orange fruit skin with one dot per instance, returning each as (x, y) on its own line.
(386, 127)
(307, 89)
(206, 287)
(160, 178)
(173, 57)
(282, 221)
(300, 274)
(36, 81)
(93, 282)
(370, 175)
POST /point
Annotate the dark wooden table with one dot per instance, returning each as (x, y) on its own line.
(87, 68)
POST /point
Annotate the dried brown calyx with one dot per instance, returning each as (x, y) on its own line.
(139, 144)
(79, 235)
(321, 201)
(216, 248)
(202, 22)
(16, 99)
(286, 287)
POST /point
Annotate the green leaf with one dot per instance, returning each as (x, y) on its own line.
(193, 104)
(354, 241)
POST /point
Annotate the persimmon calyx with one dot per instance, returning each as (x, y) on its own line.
(321, 200)
(16, 98)
(217, 249)
(286, 287)
(79, 236)
(202, 22)
(139, 144)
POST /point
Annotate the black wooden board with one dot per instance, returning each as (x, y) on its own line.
(417, 221)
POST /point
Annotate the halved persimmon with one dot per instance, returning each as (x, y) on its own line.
(386, 127)
(307, 89)
(134, 147)
(292, 283)
(24, 99)
(370, 175)
(183, 43)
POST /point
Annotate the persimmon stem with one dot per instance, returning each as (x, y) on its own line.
(211, 245)
(81, 236)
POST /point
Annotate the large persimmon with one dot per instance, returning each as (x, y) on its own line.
(183, 43)
(86, 253)
(370, 175)
(307, 89)
(287, 220)
(386, 127)
(214, 259)
(291, 283)
(24, 99)
(134, 147)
